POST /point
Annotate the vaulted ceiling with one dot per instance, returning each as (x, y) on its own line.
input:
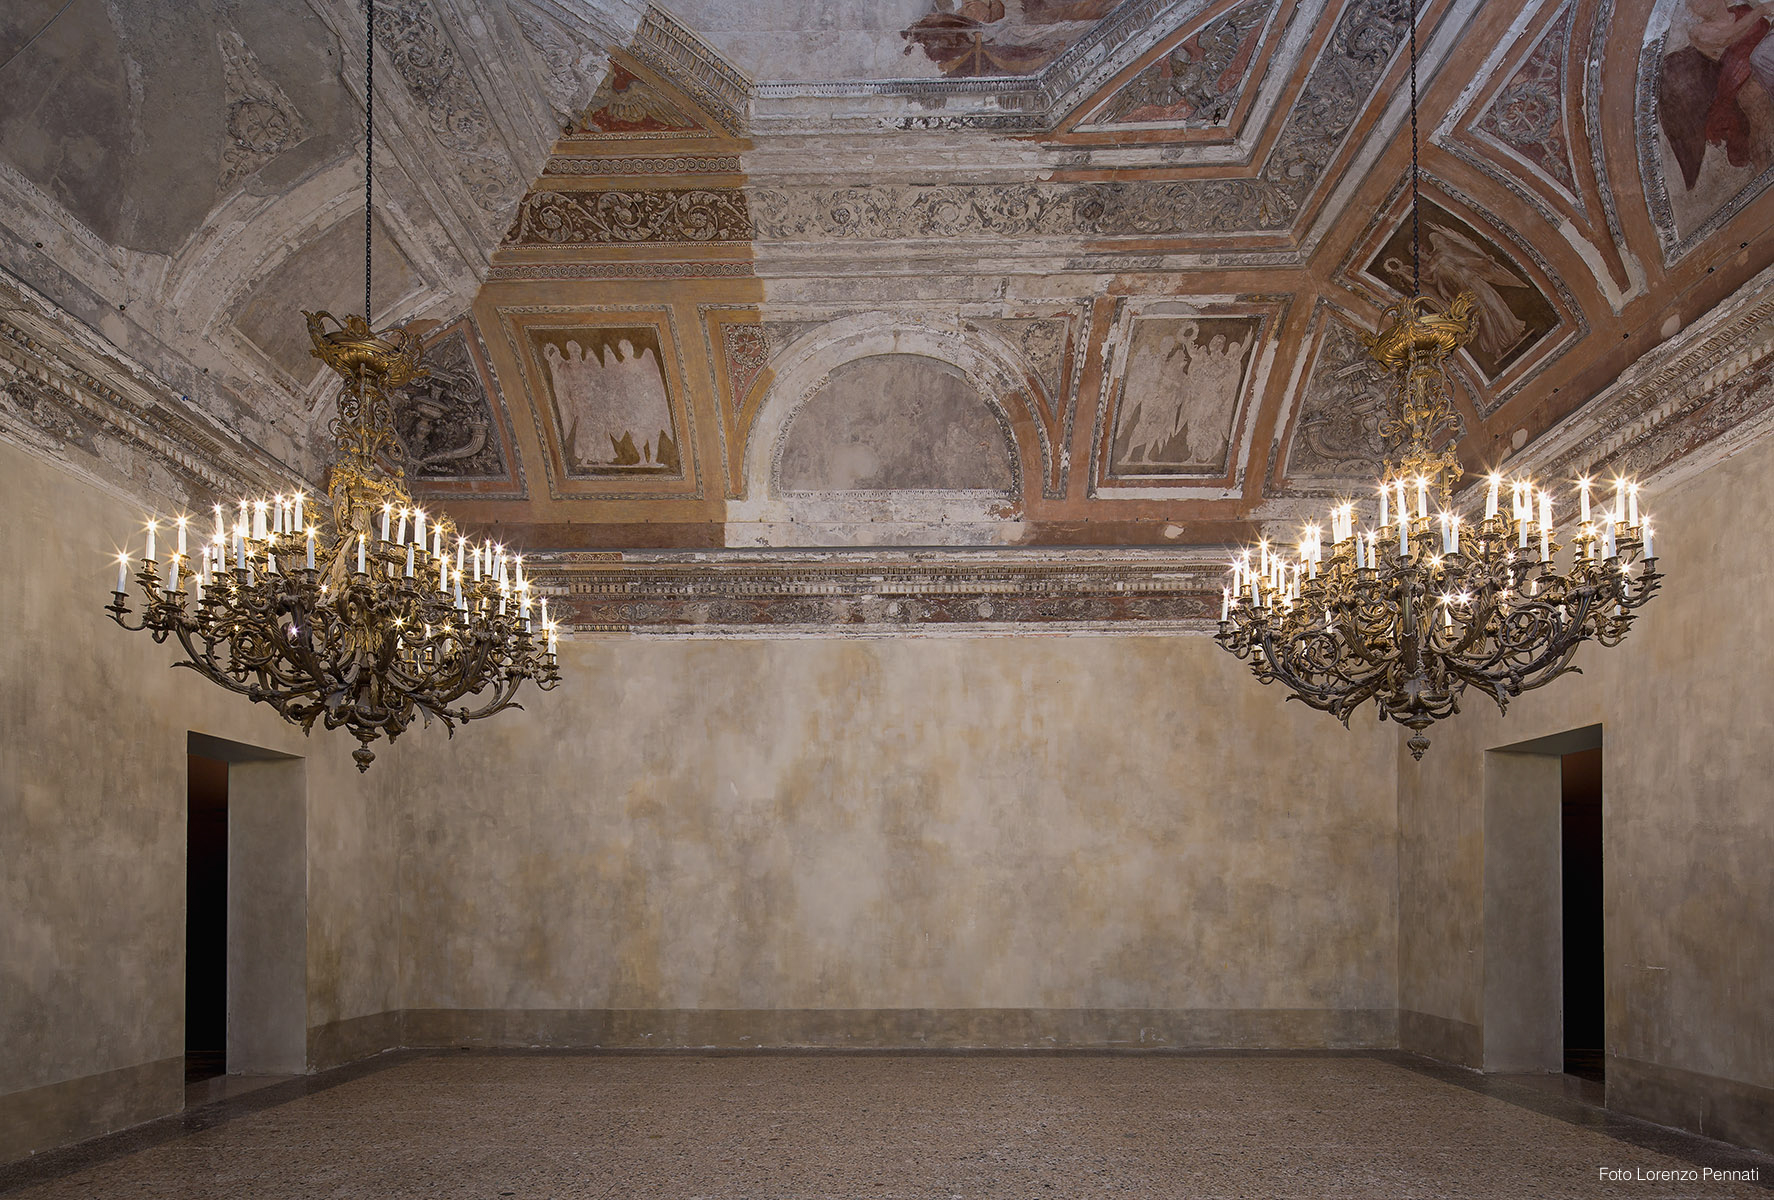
(986, 272)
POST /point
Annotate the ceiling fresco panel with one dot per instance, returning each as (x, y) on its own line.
(609, 399)
(1706, 115)
(453, 423)
(1183, 380)
(1197, 83)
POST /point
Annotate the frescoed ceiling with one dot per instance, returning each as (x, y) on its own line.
(991, 273)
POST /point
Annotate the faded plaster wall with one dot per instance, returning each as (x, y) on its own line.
(93, 726)
(945, 841)
(1688, 831)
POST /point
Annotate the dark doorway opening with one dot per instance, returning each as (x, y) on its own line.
(206, 918)
(1585, 1026)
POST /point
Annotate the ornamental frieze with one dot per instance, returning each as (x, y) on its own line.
(705, 215)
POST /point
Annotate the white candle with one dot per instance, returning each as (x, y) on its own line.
(221, 530)
(122, 572)
(1632, 505)
(1385, 495)
(477, 564)
(360, 563)
(1545, 541)
(409, 559)
(1454, 534)
(1619, 500)
(300, 523)
(1422, 498)
(183, 523)
(1490, 504)
(310, 547)
(277, 513)
(400, 530)
(240, 547)
(1583, 497)
(461, 548)
(1649, 552)
(1404, 535)
(419, 527)
(1609, 548)
(153, 528)
(258, 520)
(270, 562)
(387, 511)
(1522, 523)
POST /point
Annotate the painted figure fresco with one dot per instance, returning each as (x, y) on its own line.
(1513, 316)
(1179, 394)
(1715, 99)
(613, 411)
(966, 38)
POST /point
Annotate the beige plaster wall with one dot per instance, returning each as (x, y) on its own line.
(1688, 829)
(948, 840)
(93, 725)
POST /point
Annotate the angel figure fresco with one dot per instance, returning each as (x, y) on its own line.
(1454, 263)
(1186, 389)
(612, 405)
(1718, 90)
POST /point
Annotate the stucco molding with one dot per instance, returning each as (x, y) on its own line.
(866, 592)
(69, 396)
(1697, 399)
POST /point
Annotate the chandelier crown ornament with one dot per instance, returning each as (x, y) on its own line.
(359, 611)
(1413, 606)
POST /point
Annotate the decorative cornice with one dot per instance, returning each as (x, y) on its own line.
(739, 593)
(511, 272)
(69, 396)
(688, 164)
(1703, 395)
(701, 215)
(690, 63)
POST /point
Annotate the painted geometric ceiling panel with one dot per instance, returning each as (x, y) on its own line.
(1146, 234)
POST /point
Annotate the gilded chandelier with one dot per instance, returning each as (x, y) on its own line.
(1408, 606)
(355, 611)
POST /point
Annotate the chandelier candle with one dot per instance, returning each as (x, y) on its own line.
(1483, 603)
(293, 624)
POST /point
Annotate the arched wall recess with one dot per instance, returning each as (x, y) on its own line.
(773, 515)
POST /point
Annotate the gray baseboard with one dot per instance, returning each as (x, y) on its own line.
(1726, 1109)
(1458, 1042)
(341, 1042)
(906, 1028)
(59, 1114)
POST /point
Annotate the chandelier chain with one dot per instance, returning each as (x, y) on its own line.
(369, 145)
(1416, 243)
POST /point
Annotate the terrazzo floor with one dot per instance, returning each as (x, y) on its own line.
(799, 1127)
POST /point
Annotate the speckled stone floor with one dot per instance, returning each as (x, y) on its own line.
(799, 1127)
